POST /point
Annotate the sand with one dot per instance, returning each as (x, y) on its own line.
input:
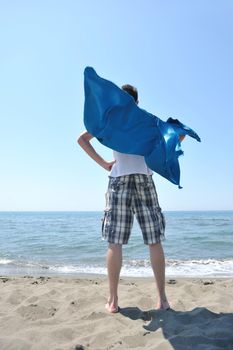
(60, 313)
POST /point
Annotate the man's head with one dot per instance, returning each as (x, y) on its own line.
(131, 90)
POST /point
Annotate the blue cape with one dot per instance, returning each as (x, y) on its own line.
(112, 116)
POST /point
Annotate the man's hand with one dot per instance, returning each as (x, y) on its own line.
(182, 137)
(108, 165)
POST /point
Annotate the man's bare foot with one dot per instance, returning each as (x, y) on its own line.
(163, 305)
(110, 307)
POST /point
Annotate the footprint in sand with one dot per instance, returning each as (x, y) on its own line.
(35, 312)
(16, 297)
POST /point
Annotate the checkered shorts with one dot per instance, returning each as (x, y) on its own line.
(128, 195)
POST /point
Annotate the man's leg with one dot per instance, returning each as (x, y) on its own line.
(114, 262)
(158, 266)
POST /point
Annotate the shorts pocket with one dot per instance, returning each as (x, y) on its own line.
(106, 220)
(116, 184)
(163, 221)
(146, 183)
(160, 219)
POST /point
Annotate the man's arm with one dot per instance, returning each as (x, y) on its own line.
(84, 142)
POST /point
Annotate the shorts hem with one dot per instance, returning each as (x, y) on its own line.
(157, 240)
(113, 242)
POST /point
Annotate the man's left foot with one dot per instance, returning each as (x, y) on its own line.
(163, 305)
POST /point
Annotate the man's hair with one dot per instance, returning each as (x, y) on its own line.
(131, 90)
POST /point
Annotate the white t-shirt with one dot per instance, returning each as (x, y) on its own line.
(127, 164)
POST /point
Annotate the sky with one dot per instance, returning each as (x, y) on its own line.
(178, 53)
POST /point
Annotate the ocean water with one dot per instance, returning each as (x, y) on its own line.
(40, 243)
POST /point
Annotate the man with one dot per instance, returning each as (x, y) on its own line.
(131, 191)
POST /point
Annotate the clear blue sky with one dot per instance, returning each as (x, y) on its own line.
(178, 53)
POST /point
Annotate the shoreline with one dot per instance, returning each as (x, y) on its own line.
(64, 312)
(99, 275)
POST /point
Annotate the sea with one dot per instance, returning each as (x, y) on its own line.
(197, 244)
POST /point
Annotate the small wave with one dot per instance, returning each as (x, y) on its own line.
(172, 262)
(23, 264)
(5, 261)
(207, 267)
(71, 269)
(130, 268)
(183, 268)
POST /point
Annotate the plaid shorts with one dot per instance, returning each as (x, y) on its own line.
(128, 195)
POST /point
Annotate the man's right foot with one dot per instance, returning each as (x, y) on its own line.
(111, 308)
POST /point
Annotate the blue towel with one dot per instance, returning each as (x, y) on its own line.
(112, 116)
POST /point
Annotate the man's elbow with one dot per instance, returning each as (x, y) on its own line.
(84, 138)
(80, 140)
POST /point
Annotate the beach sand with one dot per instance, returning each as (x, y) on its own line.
(67, 313)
